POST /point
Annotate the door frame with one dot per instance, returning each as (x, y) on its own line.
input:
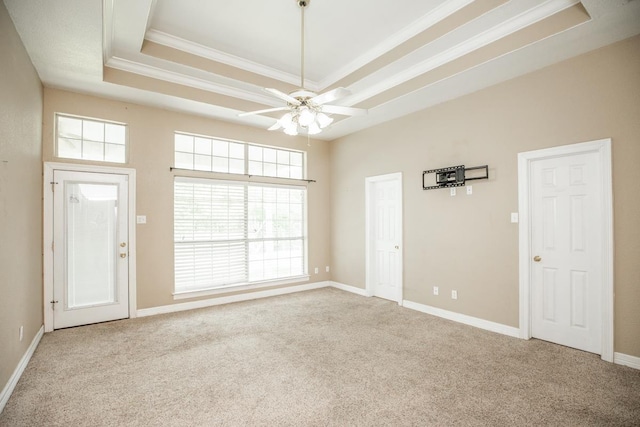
(602, 148)
(369, 237)
(47, 231)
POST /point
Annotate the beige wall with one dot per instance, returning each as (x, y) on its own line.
(20, 199)
(467, 242)
(151, 154)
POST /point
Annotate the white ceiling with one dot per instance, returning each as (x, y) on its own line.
(396, 57)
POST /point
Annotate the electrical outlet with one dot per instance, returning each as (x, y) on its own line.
(452, 192)
(435, 290)
(21, 333)
(326, 269)
(141, 219)
(454, 294)
(469, 190)
(316, 270)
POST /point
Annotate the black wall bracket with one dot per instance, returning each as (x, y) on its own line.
(454, 176)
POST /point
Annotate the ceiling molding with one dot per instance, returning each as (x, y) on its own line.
(495, 33)
(225, 58)
(190, 81)
(436, 15)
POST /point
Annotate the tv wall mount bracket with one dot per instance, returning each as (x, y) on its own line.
(454, 176)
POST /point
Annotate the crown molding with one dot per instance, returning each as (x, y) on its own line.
(412, 30)
(485, 38)
(225, 58)
(190, 81)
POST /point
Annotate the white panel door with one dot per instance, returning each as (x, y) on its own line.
(566, 244)
(90, 248)
(385, 236)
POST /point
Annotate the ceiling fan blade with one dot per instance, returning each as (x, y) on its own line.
(344, 111)
(290, 99)
(268, 110)
(330, 96)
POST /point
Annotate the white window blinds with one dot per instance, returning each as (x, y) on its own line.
(234, 233)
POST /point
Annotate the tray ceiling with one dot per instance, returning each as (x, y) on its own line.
(214, 58)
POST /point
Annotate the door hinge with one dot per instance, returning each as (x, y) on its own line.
(53, 245)
(53, 184)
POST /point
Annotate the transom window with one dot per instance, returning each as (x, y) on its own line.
(229, 234)
(90, 139)
(203, 153)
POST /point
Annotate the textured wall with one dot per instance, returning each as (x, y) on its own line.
(467, 243)
(20, 198)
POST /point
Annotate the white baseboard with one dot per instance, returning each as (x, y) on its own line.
(463, 318)
(349, 288)
(13, 381)
(172, 308)
(626, 360)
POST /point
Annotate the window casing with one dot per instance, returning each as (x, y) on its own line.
(90, 139)
(230, 234)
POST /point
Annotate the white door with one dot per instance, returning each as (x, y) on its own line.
(385, 236)
(566, 245)
(90, 248)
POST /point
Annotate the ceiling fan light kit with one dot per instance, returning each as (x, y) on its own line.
(307, 112)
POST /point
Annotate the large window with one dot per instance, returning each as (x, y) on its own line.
(202, 153)
(90, 139)
(237, 233)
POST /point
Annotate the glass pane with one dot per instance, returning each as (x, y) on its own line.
(295, 172)
(255, 168)
(255, 153)
(184, 143)
(115, 134)
(220, 164)
(283, 171)
(283, 157)
(236, 151)
(69, 127)
(184, 160)
(269, 169)
(220, 148)
(236, 166)
(270, 155)
(93, 131)
(202, 163)
(92, 150)
(114, 153)
(69, 148)
(296, 159)
(91, 226)
(203, 146)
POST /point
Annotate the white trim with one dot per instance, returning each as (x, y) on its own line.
(47, 234)
(603, 148)
(626, 360)
(17, 373)
(349, 288)
(240, 287)
(499, 31)
(190, 81)
(433, 17)
(173, 308)
(369, 181)
(464, 319)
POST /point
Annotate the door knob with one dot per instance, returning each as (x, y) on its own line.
(123, 255)
(397, 247)
(537, 258)
(123, 244)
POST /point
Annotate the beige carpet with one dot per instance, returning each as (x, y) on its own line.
(318, 358)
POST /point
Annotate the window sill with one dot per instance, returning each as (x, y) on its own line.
(238, 287)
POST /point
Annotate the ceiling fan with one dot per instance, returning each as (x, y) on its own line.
(307, 112)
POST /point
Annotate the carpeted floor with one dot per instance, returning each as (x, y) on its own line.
(317, 358)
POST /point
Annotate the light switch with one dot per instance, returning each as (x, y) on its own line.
(469, 190)
(514, 217)
(141, 219)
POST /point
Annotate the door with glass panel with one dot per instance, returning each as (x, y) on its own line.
(90, 248)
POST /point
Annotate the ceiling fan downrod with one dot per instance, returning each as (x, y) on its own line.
(302, 4)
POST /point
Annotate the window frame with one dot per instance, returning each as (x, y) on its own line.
(247, 285)
(56, 137)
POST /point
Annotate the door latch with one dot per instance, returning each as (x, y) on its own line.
(53, 304)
